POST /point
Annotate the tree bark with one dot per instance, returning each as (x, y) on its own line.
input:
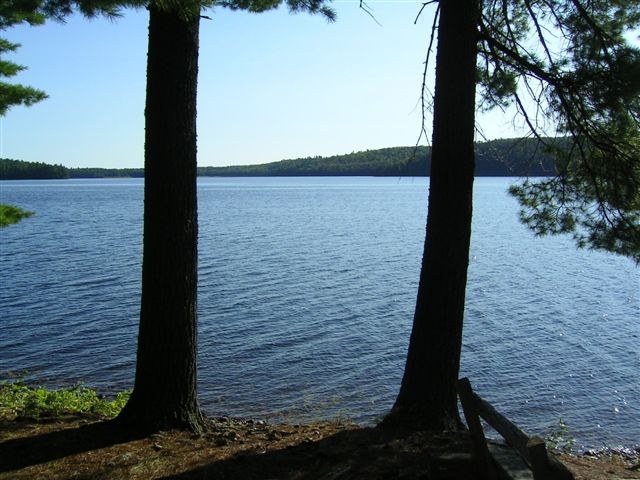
(164, 394)
(427, 397)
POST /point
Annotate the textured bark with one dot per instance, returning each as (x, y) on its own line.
(427, 397)
(164, 394)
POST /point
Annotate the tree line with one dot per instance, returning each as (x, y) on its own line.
(495, 158)
(21, 170)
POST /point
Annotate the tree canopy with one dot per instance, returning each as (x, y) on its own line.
(574, 62)
(16, 94)
(36, 12)
(21, 170)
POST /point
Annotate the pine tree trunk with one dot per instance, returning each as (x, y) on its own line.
(164, 394)
(427, 397)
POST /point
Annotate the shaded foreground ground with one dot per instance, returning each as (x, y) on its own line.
(82, 447)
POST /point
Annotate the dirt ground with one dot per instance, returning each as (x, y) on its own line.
(90, 448)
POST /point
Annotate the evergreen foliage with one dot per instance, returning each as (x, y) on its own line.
(506, 157)
(14, 94)
(496, 158)
(572, 58)
(10, 214)
(21, 170)
(36, 12)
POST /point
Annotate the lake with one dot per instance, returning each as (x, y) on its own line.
(306, 294)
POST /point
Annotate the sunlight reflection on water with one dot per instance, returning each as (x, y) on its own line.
(306, 293)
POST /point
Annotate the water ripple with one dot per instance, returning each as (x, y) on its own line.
(305, 301)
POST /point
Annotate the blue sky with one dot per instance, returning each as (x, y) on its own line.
(271, 86)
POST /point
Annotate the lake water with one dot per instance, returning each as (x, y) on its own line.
(306, 294)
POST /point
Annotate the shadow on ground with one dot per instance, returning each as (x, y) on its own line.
(365, 453)
(234, 449)
(84, 448)
(40, 448)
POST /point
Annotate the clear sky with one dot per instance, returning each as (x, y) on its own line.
(271, 86)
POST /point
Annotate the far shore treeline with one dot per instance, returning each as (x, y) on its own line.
(21, 170)
(495, 158)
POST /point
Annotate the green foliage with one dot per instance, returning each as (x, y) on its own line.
(506, 157)
(572, 59)
(496, 158)
(21, 170)
(10, 214)
(12, 95)
(599, 207)
(18, 400)
(295, 6)
(386, 161)
(559, 438)
(20, 11)
(35, 12)
(189, 8)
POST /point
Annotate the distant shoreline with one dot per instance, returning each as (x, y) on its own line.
(495, 158)
(123, 177)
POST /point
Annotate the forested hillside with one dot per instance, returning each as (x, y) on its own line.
(496, 158)
(21, 170)
(507, 157)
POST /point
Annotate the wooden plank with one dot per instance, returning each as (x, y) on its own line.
(532, 451)
(544, 464)
(470, 410)
(539, 458)
(515, 437)
(510, 464)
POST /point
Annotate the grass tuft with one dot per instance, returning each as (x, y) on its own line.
(19, 400)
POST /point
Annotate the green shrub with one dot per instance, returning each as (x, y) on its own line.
(559, 438)
(18, 400)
